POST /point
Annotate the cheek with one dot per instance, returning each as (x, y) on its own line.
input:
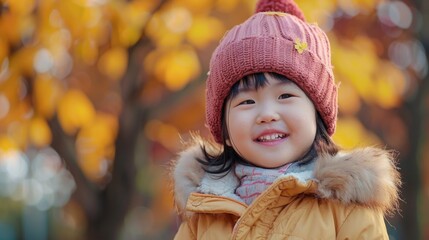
(310, 129)
(235, 125)
(307, 116)
(240, 125)
(231, 123)
(305, 124)
(301, 121)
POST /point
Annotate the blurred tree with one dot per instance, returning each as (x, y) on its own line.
(110, 84)
(398, 34)
(415, 165)
(85, 76)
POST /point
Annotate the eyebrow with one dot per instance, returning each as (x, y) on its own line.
(283, 82)
(247, 88)
(243, 88)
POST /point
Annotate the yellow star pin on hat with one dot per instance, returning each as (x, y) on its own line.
(300, 46)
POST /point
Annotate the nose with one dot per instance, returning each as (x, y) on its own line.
(267, 115)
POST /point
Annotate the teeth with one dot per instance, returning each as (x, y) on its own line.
(271, 137)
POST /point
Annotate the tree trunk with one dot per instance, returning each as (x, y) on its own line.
(414, 112)
(116, 198)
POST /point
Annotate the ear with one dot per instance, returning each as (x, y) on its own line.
(228, 143)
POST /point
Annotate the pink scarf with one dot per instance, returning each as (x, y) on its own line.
(254, 180)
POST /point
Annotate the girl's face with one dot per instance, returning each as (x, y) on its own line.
(272, 125)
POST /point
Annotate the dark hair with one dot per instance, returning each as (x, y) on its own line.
(223, 163)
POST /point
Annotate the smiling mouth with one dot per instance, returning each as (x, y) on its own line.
(271, 137)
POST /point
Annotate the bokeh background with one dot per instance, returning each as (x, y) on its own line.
(96, 97)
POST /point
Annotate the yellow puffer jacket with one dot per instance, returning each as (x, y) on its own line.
(342, 197)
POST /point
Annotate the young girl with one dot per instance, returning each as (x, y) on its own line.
(274, 172)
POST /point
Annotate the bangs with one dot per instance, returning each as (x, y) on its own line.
(254, 82)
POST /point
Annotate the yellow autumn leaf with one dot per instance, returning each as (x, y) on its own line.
(93, 21)
(113, 63)
(164, 133)
(39, 132)
(7, 143)
(129, 35)
(129, 19)
(99, 33)
(137, 12)
(21, 7)
(14, 110)
(177, 67)
(389, 85)
(375, 80)
(95, 145)
(91, 16)
(87, 51)
(229, 5)
(18, 132)
(358, 52)
(23, 60)
(58, 41)
(177, 19)
(161, 35)
(205, 30)
(71, 13)
(169, 39)
(92, 167)
(9, 28)
(195, 6)
(75, 110)
(300, 46)
(99, 134)
(46, 95)
(349, 101)
(316, 11)
(366, 5)
(350, 133)
(8, 91)
(386, 94)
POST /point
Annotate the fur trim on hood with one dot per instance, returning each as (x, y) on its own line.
(366, 176)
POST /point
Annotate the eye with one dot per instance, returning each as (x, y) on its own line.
(245, 102)
(285, 95)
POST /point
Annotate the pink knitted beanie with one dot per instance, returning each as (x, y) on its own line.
(275, 39)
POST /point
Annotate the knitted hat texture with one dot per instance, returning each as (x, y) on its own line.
(275, 39)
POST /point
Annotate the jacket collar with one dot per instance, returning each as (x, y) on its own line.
(365, 176)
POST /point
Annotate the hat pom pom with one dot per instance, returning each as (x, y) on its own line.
(286, 6)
